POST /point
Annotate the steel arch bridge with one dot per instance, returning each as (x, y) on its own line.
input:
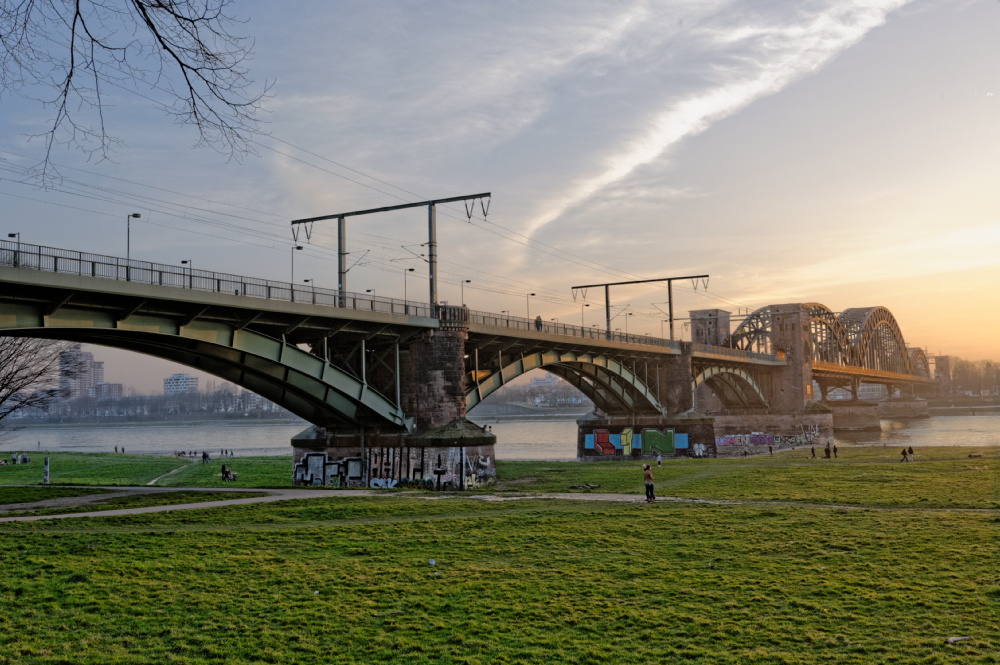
(861, 344)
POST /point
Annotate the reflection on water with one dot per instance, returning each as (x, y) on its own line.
(554, 440)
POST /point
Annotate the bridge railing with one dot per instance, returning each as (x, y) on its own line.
(726, 351)
(50, 259)
(555, 328)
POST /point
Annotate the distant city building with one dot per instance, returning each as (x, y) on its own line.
(178, 384)
(107, 391)
(547, 381)
(79, 372)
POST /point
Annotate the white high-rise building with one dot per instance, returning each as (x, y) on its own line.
(178, 384)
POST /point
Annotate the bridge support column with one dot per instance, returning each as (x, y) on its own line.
(442, 450)
(673, 387)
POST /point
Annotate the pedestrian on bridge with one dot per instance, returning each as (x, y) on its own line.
(538, 323)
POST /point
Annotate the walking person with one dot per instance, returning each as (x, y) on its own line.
(538, 323)
(659, 460)
(904, 457)
(116, 449)
(813, 449)
(826, 453)
(647, 478)
(770, 449)
(835, 451)
(911, 453)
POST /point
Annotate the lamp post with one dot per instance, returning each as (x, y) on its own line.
(190, 265)
(582, 324)
(17, 254)
(626, 325)
(313, 284)
(128, 233)
(662, 321)
(464, 282)
(295, 248)
(527, 303)
(406, 307)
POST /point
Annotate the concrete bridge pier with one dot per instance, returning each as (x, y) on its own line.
(441, 450)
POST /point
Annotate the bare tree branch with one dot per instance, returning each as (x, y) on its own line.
(179, 54)
(30, 372)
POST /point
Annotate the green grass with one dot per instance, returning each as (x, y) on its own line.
(10, 495)
(90, 469)
(130, 500)
(251, 471)
(528, 581)
(941, 477)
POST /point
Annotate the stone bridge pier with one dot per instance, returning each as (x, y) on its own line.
(440, 449)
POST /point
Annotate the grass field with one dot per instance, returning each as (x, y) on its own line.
(941, 477)
(125, 500)
(530, 581)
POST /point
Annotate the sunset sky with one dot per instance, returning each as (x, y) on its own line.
(840, 152)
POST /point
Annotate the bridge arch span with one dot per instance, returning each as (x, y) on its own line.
(732, 385)
(306, 385)
(613, 387)
(877, 340)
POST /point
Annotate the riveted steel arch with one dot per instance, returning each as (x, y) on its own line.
(613, 387)
(306, 385)
(754, 332)
(734, 382)
(831, 342)
(877, 340)
(918, 363)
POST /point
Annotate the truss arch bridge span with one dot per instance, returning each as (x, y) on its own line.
(614, 387)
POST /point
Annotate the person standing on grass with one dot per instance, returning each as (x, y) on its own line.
(659, 460)
(835, 451)
(911, 453)
(813, 449)
(770, 449)
(647, 477)
(116, 449)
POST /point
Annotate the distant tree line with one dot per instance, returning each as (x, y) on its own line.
(975, 375)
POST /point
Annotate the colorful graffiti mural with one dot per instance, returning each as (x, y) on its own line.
(650, 442)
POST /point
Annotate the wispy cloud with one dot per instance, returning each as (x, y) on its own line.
(770, 57)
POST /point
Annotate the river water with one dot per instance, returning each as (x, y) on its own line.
(550, 440)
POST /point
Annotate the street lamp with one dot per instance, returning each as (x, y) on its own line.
(527, 303)
(294, 249)
(17, 254)
(128, 233)
(406, 270)
(662, 321)
(313, 284)
(626, 324)
(582, 323)
(190, 265)
(464, 282)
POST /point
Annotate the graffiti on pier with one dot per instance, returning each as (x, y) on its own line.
(650, 442)
(426, 468)
(765, 439)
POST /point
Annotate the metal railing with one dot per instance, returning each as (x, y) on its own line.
(555, 328)
(49, 259)
(726, 351)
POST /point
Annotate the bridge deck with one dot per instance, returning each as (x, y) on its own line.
(53, 276)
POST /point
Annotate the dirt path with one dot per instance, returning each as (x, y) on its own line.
(293, 494)
(153, 481)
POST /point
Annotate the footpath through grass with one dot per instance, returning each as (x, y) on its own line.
(134, 500)
(941, 477)
(335, 580)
